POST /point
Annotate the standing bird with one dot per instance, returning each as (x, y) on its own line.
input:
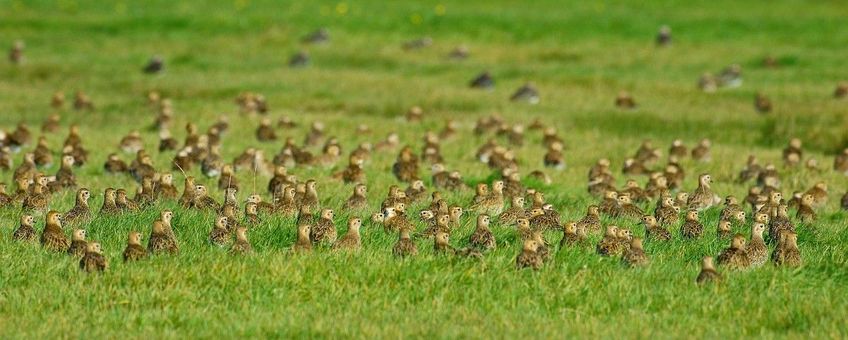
(703, 197)
(80, 212)
(708, 272)
(303, 244)
(805, 212)
(351, 240)
(757, 250)
(25, 231)
(53, 238)
(161, 241)
(93, 260)
(78, 244)
(134, 250)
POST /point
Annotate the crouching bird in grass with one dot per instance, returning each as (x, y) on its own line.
(708, 272)
(134, 250)
(161, 241)
(404, 247)
(529, 256)
(635, 256)
(736, 256)
(241, 246)
(304, 243)
(78, 243)
(93, 260)
(25, 231)
(81, 211)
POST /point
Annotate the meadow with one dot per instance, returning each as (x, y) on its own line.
(578, 54)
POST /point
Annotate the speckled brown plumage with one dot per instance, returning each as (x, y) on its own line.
(482, 237)
(93, 260)
(708, 273)
(25, 231)
(53, 238)
(160, 241)
(324, 230)
(78, 243)
(735, 256)
(134, 250)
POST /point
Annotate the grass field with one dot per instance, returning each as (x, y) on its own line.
(579, 54)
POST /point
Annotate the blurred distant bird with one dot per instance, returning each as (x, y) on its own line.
(526, 93)
(299, 59)
(841, 90)
(155, 65)
(16, 53)
(483, 81)
(708, 83)
(459, 53)
(417, 44)
(664, 36)
(731, 76)
(708, 272)
(320, 35)
(624, 100)
(762, 103)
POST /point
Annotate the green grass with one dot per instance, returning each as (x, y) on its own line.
(580, 55)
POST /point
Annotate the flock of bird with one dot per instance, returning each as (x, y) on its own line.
(770, 219)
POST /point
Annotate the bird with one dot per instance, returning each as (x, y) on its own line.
(261, 207)
(787, 253)
(730, 76)
(492, 203)
(609, 206)
(404, 247)
(155, 65)
(134, 250)
(762, 103)
(483, 81)
(841, 90)
(110, 206)
(25, 231)
(736, 256)
(708, 272)
(93, 260)
(303, 243)
(723, 230)
(123, 203)
(664, 36)
(529, 256)
(703, 197)
(351, 241)
(592, 221)
(756, 248)
(730, 209)
(357, 200)
(482, 238)
(624, 100)
(635, 255)
(220, 234)
(805, 212)
(526, 93)
(161, 241)
(39, 197)
(78, 244)
(320, 35)
(202, 201)
(627, 208)
(654, 231)
(189, 190)
(324, 230)
(16, 53)
(609, 244)
(241, 246)
(692, 227)
(52, 237)
(515, 211)
(572, 236)
(701, 152)
(165, 187)
(819, 193)
(299, 59)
